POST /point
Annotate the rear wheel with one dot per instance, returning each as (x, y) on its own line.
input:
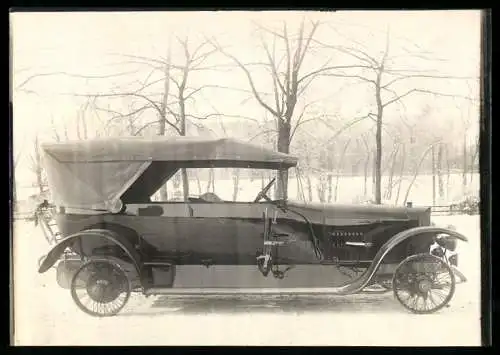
(423, 283)
(100, 288)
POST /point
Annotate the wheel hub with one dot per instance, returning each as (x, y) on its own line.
(424, 285)
(102, 290)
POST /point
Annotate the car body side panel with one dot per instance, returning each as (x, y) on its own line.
(232, 233)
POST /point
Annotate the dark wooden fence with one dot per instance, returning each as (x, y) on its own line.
(445, 210)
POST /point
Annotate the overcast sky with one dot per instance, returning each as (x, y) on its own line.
(88, 43)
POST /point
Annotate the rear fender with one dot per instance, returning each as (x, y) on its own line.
(56, 252)
(363, 280)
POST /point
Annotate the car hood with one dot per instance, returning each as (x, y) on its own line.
(358, 214)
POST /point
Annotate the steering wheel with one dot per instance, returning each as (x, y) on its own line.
(263, 193)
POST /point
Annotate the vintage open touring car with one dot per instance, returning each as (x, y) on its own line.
(112, 238)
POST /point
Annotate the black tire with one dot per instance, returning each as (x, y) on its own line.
(116, 283)
(421, 283)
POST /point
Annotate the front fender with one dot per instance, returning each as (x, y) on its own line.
(359, 283)
(58, 249)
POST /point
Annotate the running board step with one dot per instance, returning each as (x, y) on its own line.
(245, 291)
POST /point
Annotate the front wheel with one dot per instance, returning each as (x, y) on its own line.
(100, 288)
(423, 283)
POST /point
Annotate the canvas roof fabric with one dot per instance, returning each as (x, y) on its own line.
(94, 174)
(162, 148)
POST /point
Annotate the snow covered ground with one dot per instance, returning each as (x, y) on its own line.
(46, 315)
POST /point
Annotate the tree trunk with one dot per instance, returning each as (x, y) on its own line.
(374, 171)
(365, 185)
(66, 134)
(330, 167)
(284, 130)
(473, 160)
(39, 179)
(336, 195)
(465, 164)
(14, 196)
(388, 193)
(84, 126)
(417, 169)
(378, 162)
(320, 187)
(164, 193)
(448, 172)
(54, 129)
(329, 183)
(78, 135)
(309, 188)
(433, 169)
(401, 171)
(378, 133)
(182, 107)
(340, 166)
(236, 180)
(440, 173)
(176, 182)
(163, 118)
(211, 179)
(367, 164)
(198, 183)
(37, 165)
(299, 189)
(185, 184)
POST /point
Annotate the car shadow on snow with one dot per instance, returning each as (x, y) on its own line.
(361, 303)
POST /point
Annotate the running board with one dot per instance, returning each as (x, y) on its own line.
(292, 291)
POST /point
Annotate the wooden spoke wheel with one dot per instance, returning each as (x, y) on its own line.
(423, 283)
(100, 288)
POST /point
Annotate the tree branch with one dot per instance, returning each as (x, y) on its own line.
(428, 76)
(153, 103)
(34, 76)
(306, 46)
(250, 79)
(362, 78)
(148, 125)
(424, 92)
(118, 115)
(273, 66)
(345, 127)
(321, 70)
(261, 133)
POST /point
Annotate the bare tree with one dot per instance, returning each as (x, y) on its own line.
(417, 169)
(340, 167)
(433, 168)
(382, 77)
(392, 168)
(289, 81)
(366, 165)
(439, 170)
(474, 157)
(171, 105)
(401, 171)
